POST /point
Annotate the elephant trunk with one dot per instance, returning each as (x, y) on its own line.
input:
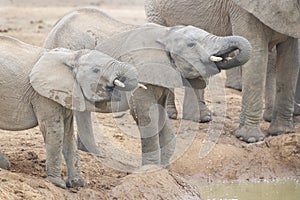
(237, 45)
(125, 76)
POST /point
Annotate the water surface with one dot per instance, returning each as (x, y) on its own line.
(263, 190)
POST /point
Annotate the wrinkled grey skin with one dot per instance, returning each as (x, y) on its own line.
(264, 28)
(164, 57)
(271, 87)
(41, 87)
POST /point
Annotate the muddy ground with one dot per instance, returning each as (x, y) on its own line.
(205, 152)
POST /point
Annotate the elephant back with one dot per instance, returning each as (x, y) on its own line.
(281, 16)
(83, 29)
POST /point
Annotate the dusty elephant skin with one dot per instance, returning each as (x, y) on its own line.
(264, 28)
(270, 92)
(41, 87)
(164, 57)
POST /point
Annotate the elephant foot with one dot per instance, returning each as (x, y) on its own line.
(165, 163)
(4, 162)
(205, 113)
(249, 134)
(296, 109)
(268, 115)
(75, 182)
(57, 181)
(172, 112)
(278, 127)
(203, 116)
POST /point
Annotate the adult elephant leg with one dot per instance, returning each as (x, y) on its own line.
(234, 78)
(171, 108)
(254, 72)
(145, 111)
(70, 153)
(270, 91)
(297, 95)
(286, 79)
(85, 136)
(195, 109)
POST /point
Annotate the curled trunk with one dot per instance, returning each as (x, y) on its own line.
(126, 74)
(237, 45)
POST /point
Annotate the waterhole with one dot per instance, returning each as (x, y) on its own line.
(261, 190)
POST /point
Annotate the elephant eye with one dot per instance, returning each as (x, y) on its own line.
(191, 44)
(96, 70)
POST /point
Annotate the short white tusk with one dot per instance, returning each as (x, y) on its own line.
(119, 83)
(228, 58)
(216, 59)
(142, 86)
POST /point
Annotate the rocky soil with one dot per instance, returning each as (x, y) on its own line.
(205, 152)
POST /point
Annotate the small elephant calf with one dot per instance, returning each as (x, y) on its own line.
(43, 87)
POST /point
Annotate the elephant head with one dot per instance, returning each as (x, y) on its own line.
(77, 79)
(198, 54)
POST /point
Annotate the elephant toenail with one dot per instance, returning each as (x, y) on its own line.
(251, 140)
(241, 138)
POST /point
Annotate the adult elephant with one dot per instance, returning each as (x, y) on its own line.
(265, 24)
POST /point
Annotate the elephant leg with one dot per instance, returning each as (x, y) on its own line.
(286, 79)
(171, 108)
(145, 111)
(85, 136)
(254, 74)
(297, 95)
(234, 78)
(194, 107)
(51, 122)
(167, 140)
(4, 162)
(70, 153)
(270, 91)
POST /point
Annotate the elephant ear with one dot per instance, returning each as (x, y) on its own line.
(52, 77)
(282, 16)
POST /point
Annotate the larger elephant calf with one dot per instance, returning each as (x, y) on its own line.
(41, 87)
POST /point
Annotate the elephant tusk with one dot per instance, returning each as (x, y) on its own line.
(216, 59)
(228, 58)
(142, 86)
(119, 83)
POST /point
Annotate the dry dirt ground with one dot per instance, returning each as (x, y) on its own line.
(205, 152)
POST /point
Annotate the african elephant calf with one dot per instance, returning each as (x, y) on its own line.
(41, 87)
(165, 57)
